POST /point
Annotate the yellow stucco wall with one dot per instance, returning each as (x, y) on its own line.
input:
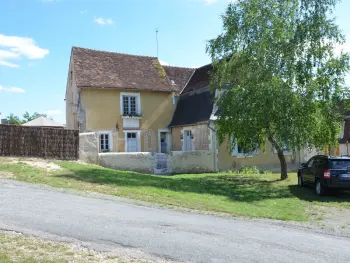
(102, 107)
(266, 159)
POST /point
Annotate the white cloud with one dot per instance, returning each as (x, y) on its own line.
(8, 64)
(11, 89)
(163, 63)
(103, 21)
(14, 47)
(5, 54)
(53, 112)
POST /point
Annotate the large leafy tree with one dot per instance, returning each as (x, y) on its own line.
(278, 75)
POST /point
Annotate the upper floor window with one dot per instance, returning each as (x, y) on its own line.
(130, 104)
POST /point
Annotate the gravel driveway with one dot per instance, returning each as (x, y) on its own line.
(151, 232)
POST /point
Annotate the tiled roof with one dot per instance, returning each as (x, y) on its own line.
(193, 108)
(178, 76)
(103, 69)
(200, 79)
(196, 101)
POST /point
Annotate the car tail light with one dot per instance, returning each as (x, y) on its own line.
(327, 174)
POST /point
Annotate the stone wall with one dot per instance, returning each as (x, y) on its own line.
(88, 147)
(192, 162)
(136, 162)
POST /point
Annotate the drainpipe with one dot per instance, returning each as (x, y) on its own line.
(214, 144)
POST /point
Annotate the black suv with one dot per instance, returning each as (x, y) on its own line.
(325, 172)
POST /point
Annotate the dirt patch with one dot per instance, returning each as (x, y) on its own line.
(41, 164)
(335, 218)
(6, 175)
(16, 246)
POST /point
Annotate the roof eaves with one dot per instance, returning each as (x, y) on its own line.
(190, 124)
(124, 88)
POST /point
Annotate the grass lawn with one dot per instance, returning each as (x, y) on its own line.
(23, 249)
(263, 196)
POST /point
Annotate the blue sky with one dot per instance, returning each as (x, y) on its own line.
(33, 74)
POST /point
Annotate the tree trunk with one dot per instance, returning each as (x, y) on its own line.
(280, 155)
(283, 162)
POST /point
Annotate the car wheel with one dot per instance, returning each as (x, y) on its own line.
(320, 189)
(300, 180)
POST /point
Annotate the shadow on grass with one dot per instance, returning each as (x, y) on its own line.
(308, 194)
(243, 188)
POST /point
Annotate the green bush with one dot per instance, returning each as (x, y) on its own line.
(249, 170)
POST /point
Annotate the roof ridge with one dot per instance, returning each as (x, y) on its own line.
(210, 64)
(169, 66)
(112, 52)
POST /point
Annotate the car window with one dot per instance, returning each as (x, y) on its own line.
(309, 164)
(340, 164)
(324, 163)
(316, 163)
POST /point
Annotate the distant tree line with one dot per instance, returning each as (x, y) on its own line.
(26, 117)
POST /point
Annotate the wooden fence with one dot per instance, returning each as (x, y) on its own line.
(52, 143)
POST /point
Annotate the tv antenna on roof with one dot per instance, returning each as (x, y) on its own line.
(157, 41)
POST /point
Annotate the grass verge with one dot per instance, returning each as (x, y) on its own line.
(23, 249)
(263, 196)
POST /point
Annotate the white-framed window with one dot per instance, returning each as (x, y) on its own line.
(132, 141)
(238, 150)
(130, 104)
(286, 150)
(105, 139)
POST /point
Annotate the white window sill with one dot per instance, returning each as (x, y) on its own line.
(131, 117)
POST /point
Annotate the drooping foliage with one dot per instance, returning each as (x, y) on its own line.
(280, 74)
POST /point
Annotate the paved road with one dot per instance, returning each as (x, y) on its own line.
(159, 232)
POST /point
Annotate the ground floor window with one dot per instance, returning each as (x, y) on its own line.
(238, 150)
(105, 142)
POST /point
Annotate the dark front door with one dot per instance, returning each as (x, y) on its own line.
(163, 142)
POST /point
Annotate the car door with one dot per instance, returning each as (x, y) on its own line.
(315, 170)
(307, 171)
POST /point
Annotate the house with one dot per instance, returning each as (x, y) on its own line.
(194, 130)
(44, 122)
(135, 105)
(129, 100)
